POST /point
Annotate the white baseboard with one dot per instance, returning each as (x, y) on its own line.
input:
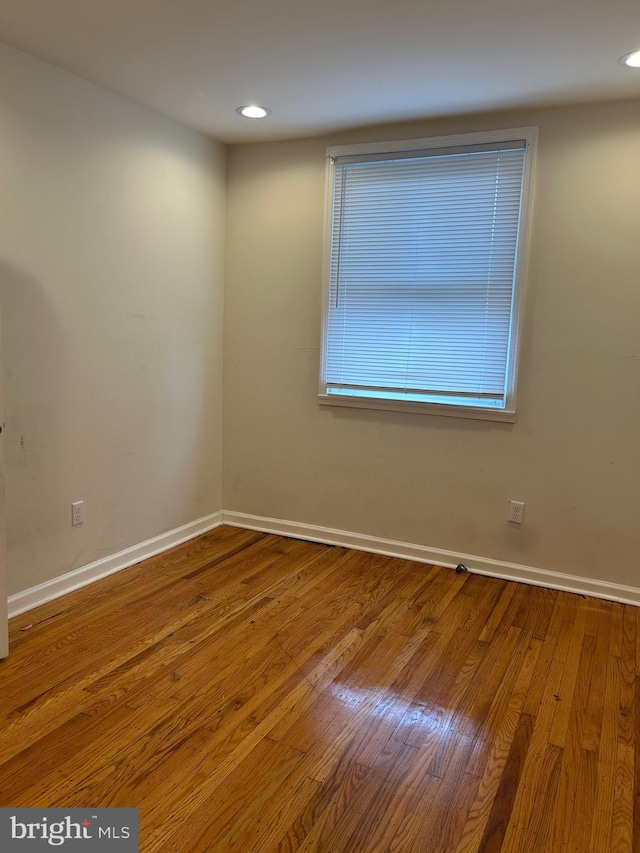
(48, 591)
(449, 559)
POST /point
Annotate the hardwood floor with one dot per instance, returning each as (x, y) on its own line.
(249, 692)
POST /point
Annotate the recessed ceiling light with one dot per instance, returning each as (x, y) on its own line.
(632, 60)
(253, 111)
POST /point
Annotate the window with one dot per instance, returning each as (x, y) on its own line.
(426, 243)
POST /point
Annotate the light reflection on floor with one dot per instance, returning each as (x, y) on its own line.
(422, 719)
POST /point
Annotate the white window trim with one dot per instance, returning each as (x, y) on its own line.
(508, 413)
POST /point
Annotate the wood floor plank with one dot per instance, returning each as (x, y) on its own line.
(596, 702)
(628, 708)
(316, 823)
(373, 807)
(544, 802)
(509, 781)
(489, 815)
(622, 817)
(607, 759)
(636, 787)
(253, 693)
(579, 834)
(573, 759)
(446, 820)
(491, 713)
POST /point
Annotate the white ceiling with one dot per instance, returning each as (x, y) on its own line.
(336, 64)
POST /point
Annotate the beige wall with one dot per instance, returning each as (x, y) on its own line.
(111, 272)
(574, 453)
(111, 263)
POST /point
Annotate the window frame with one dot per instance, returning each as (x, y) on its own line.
(527, 134)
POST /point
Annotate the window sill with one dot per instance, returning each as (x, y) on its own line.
(475, 413)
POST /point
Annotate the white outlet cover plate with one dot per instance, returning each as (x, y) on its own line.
(516, 512)
(77, 513)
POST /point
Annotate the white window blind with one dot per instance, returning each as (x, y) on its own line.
(423, 259)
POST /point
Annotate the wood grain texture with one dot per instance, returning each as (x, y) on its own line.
(253, 693)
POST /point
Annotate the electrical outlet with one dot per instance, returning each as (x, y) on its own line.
(77, 513)
(516, 512)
